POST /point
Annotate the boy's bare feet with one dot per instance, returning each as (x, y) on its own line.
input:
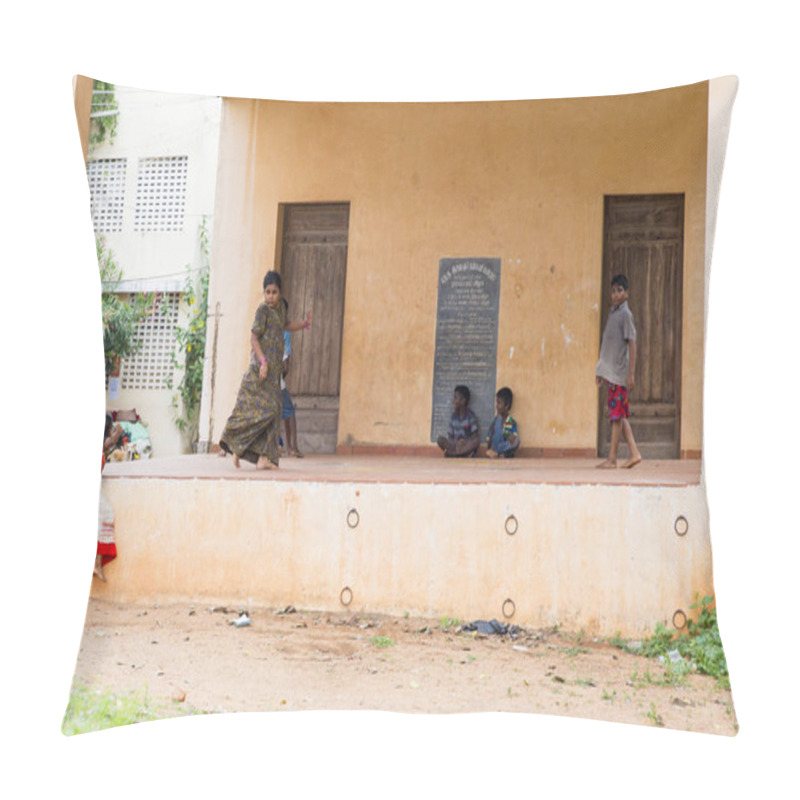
(236, 461)
(295, 453)
(607, 465)
(491, 454)
(264, 463)
(632, 462)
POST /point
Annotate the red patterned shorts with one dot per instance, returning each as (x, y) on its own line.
(617, 402)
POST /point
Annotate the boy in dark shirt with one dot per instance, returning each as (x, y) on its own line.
(462, 439)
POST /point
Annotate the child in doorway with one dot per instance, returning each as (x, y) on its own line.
(616, 367)
(289, 419)
(502, 440)
(462, 439)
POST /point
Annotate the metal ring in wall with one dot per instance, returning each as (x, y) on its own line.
(346, 596)
(511, 525)
(353, 518)
(679, 620)
(509, 609)
(681, 526)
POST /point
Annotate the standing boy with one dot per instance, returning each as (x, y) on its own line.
(616, 367)
(502, 440)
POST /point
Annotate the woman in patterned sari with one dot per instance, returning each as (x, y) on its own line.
(253, 427)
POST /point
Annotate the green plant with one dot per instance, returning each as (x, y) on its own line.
(190, 346)
(120, 317)
(93, 710)
(704, 645)
(446, 623)
(104, 114)
(381, 641)
(700, 647)
(654, 717)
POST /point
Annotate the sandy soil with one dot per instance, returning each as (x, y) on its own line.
(193, 658)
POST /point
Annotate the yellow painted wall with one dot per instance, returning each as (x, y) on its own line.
(82, 97)
(523, 181)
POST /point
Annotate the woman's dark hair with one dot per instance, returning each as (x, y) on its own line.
(506, 396)
(272, 278)
(464, 392)
(109, 423)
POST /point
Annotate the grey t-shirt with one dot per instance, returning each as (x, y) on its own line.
(613, 362)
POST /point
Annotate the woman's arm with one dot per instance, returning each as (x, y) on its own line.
(299, 325)
(254, 343)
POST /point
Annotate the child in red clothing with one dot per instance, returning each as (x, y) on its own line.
(616, 367)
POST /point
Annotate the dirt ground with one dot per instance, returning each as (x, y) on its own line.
(193, 658)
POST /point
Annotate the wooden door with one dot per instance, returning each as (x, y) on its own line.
(644, 240)
(313, 268)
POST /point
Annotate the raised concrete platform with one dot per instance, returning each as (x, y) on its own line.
(419, 469)
(537, 542)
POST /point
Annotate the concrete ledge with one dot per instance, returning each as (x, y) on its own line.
(598, 557)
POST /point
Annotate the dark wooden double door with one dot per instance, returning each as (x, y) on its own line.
(313, 269)
(644, 240)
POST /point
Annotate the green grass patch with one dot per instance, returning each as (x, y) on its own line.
(700, 647)
(382, 641)
(94, 710)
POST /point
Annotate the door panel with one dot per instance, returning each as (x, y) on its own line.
(313, 271)
(644, 240)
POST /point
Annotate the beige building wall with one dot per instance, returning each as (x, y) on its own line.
(158, 125)
(522, 181)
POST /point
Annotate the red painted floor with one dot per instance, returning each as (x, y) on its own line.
(400, 469)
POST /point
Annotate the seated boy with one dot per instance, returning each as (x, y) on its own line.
(503, 440)
(462, 439)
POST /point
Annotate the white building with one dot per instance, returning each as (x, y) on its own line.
(152, 189)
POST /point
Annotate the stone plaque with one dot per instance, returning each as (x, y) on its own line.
(466, 339)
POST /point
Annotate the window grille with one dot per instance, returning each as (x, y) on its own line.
(151, 365)
(107, 189)
(161, 193)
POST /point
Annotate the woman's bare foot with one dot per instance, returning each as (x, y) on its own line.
(236, 461)
(607, 465)
(491, 454)
(295, 453)
(98, 568)
(632, 462)
(264, 463)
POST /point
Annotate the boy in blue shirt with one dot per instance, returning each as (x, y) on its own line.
(503, 439)
(462, 438)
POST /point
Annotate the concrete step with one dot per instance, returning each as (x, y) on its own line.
(317, 423)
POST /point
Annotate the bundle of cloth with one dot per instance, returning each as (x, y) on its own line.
(132, 437)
